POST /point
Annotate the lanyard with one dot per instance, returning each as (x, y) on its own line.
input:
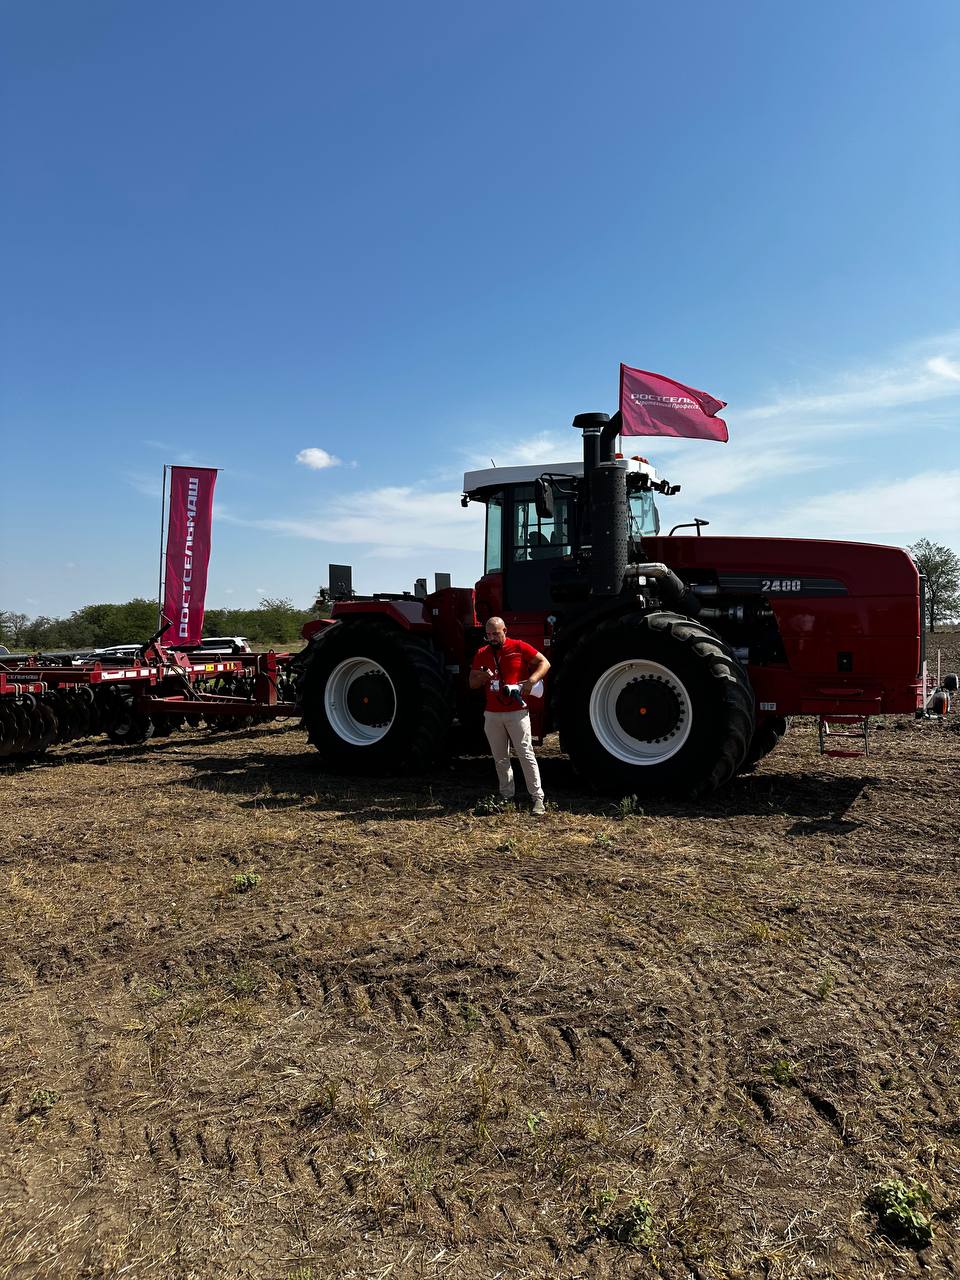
(496, 663)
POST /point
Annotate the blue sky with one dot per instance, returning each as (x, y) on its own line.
(419, 236)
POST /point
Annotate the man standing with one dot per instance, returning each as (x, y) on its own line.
(500, 663)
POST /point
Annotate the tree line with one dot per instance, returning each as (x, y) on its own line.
(274, 621)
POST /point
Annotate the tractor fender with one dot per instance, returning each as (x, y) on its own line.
(569, 633)
(409, 615)
(314, 627)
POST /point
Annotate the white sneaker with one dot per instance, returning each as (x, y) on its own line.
(538, 810)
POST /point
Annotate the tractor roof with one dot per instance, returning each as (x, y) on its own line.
(496, 477)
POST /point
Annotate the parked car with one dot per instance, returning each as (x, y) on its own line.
(222, 646)
(115, 653)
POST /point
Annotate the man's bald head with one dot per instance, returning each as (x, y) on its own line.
(495, 630)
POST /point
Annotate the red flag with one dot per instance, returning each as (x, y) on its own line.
(652, 405)
(188, 552)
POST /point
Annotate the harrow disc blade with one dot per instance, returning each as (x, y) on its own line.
(78, 714)
(35, 725)
(49, 734)
(109, 705)
(129, 724)
(66, 715)
(8, 730)
(54, 701)
(24, 730)
(88, 700)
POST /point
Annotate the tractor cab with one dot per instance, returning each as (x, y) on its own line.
(537, 528)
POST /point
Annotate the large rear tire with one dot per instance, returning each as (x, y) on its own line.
(376, 700)
(653, 704)
(766, 737)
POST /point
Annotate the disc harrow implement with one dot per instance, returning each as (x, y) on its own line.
(45, 702)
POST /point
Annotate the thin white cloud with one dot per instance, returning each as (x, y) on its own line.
(911, 378)
(317, 459)
(926, 504)
(149, 486)
(715, 475)
(945, 367)
(543, 446)
(396, 520)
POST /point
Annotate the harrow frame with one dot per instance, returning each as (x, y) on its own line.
(43, 702)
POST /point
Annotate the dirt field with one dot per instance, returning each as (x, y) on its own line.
(417, 1041)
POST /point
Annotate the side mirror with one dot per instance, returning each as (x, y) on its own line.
(543, 498)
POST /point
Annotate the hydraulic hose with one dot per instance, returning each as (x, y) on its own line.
(673, 591)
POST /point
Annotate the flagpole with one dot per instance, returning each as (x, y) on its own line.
(163, 513)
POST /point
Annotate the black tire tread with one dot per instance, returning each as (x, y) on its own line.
(711, 652)
(428, 742)
(766, 738)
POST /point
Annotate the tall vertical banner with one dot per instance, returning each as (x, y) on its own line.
(188, 552)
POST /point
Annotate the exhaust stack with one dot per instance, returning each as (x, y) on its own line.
(605, 505)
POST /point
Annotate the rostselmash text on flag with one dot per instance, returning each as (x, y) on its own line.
(652, 405)
(188, 552)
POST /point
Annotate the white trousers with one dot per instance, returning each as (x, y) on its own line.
(506, 728)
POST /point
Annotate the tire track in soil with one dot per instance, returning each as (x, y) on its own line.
(183, 1150)
(421, 1002)
(686, 1035)
(691, 1038)
(499, 1019)
(696, 1048)
(871, 1020)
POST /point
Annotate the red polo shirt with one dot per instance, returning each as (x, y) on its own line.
(516, 660)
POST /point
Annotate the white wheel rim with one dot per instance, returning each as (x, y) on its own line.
(336, 702)
(614, 737)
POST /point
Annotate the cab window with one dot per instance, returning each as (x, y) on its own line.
(493, 554)
(536, 539)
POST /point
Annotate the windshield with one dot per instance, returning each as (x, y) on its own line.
(644, 516)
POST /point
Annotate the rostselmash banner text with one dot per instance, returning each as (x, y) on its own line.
(652, 405)
(188, 552)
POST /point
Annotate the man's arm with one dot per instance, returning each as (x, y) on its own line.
(539, 669)
(480, 678)
(480, 673)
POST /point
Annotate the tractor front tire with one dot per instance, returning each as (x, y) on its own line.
(376, 700)
(654, 704)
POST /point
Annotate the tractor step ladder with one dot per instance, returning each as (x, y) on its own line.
(852, 728)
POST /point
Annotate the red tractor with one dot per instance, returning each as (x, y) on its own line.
(676, 661)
